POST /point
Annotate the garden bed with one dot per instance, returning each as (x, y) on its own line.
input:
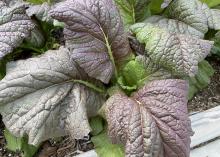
(76, 57)
(206, 99)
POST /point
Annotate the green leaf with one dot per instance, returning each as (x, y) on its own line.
(19, 144)
(155, 6)
(201, 80)
(133, 72)
(174, 26)
(36, 39)
(211, 3)
(177, 52)
(28, 150)
(105, 148)
(216, 48)
(97, 125)
(133, 11)
(128, 89)
(140, 71)
(194, 13)
(39, 1)
(13, 143)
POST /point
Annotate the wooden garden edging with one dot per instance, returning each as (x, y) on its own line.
(206, 126)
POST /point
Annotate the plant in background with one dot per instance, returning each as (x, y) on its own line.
(139, 71)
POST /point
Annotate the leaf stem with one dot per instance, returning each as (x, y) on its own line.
(90, 85)
(133, 15)
(110, 53)
(30, 48)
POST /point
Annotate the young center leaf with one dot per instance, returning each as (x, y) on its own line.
(177, 52)
(142, 70)
(133, 11)
(94, 34)
(15, 26)
(154, 122)
(44, 97)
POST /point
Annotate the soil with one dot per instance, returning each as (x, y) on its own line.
(67, 147)
(210, 96)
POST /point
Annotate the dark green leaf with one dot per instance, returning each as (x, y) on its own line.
(97, 125)
(201, 80)
(13, 143)
(155, 6)
(38, 1)
(19, 144)
(211, 3)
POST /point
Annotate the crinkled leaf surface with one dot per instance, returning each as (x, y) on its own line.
(41, 12)
(136, 46)
(141, 71)
(94, 33)
(213, 18)
(177, 52)
(185, 10)
(174, 26)
(37, 38)
(165, 3)
(133, 11)
(39, 98)
(15, 25)
(152, 70)
(11, 3)
(194, 13)
(154, 122)
(187, 17)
